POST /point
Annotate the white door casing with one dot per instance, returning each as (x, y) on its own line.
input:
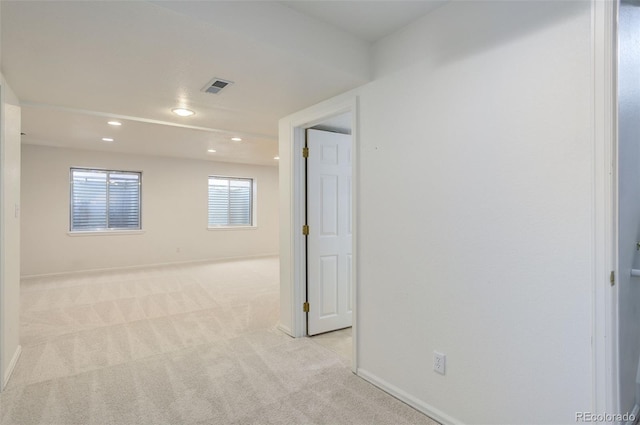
(329, 256)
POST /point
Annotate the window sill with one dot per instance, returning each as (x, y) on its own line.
(233, 228)
(106, 232)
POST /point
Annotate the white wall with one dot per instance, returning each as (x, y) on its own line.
(476, 182)
(174, 213)
(9, 229)
(483, 143)
(629, 188)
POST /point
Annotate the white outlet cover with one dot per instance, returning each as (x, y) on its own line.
(439, 362)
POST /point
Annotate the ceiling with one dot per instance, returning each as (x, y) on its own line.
(367, 20)
(76, 65)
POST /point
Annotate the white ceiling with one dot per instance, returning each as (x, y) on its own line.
(368, 20)
(74, 65)
(338, 124)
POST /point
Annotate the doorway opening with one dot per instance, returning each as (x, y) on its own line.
(328, 231)
(335, 116)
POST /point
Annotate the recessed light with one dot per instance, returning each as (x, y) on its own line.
(183, 112)
(115, 123)
(107, 139)
(236, 139)
(211, 150)
(276, 157)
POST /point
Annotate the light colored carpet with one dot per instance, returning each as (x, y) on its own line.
(340, 342)
(189, 344)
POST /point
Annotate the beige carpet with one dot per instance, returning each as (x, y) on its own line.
(190, 344)
(337, 341)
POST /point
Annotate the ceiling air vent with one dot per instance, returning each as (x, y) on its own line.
(216, 85)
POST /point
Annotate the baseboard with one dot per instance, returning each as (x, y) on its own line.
(284, 329)
(142, 266)
(12, 366)
(417, 404)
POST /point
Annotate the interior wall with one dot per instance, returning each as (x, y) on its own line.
(174, 213)
(629, 199)
(477, 133)
(9, 228)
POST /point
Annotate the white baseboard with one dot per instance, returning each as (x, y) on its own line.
(417, 404)
(142, 266)
(12, 366)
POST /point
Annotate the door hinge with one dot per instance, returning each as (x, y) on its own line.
(612, 278)
(305, 307)
(305, 152)
(305, 230)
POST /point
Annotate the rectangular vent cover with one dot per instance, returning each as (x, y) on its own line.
(216, 85)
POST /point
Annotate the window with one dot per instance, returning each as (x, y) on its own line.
(104, 200)
(230, 202)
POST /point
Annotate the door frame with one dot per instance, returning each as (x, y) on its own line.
(605, 369)
(292, 141)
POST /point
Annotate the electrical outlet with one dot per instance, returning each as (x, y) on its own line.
(439, 362)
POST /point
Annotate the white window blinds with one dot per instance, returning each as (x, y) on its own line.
(104, 200)
(230, 201)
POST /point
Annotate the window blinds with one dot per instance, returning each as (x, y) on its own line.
(104, 200)
(230, 201)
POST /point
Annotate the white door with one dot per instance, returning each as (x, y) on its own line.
(329, 240)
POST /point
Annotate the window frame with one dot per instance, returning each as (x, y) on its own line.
(107, 230)
(252, 208)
